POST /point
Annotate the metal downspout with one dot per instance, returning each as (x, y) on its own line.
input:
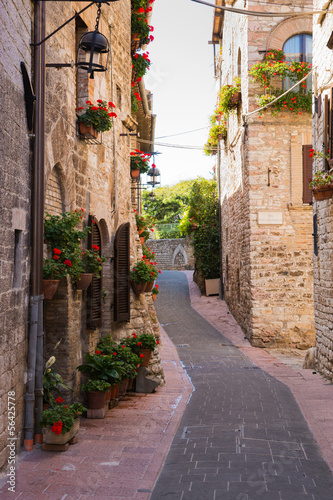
(35, 352)
(220, 219)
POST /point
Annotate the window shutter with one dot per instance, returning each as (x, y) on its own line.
(122, 308)
(330, 137)
(94, 306)
(327, 108)
(307, 174)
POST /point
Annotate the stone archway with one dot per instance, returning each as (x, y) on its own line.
(287, 28)
(180, 250)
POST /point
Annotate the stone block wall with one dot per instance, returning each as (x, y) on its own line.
(173, 254)
(266, 229)
(14, 209)
(323, 262)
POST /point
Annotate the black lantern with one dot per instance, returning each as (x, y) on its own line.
(154, 174)
(93, 52)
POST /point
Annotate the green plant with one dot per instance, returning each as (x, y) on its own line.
(61, 417)
(140, 64)
(321, 178)
(143, 341)
(140, 26)
(128, 359)
(145, 234)
(140, 222)
(95, 385)
(53, 269)
(141, 273)
(99, 367)
(147, 254)
(92, 261)
(216, 131)
(139, 160)
(153, 272)
(52, 381)
(60, 231)
(224, 100)
(155, 290)
(134, 101)
(100, 116)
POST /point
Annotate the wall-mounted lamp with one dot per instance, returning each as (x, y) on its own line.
(154, 175)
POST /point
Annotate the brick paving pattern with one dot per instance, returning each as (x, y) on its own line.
(242, 435)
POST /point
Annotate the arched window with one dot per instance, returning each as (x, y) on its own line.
(298, 48)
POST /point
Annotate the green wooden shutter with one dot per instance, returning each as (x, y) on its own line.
(122, 309)
(307, 174)
(94, 306)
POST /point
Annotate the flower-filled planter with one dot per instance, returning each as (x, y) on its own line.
(322, 193)
(96, 118)
(135, 174)
(83, 282)
(49, 288)
(139, 161)
(96, 390)
(143, 276)
(235, 99)
(61, 422)
(155, 292)
(322, 183)
(88, 130)
(142, 345)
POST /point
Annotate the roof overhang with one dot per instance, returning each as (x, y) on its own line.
(217, 22)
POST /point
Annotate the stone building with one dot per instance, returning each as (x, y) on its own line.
(266, 211)
(92, 174)
(322, 210)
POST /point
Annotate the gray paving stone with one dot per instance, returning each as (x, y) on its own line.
(234, 404)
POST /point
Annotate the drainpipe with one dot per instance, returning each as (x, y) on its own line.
(35, 351)
(220, 218)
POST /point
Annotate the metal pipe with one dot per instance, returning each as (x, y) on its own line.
(37, 210)
(144, 98)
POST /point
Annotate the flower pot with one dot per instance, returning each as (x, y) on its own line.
(108, 395)
(212, 286)
(142, 240)
(135, 173)
(154, 296)
(50, 437)
(138, 288)
(130, 384)
(147, 261)
(84, 281)
(95, 399)
(322, 193)
(218, 118)
(87, 131)
(135, 42)
(149, 287)
(114, 390)
(123, 387)
(49, 288)
(146, 357)
(140, 231)
(235, 99)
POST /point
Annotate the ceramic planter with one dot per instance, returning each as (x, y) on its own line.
(142, 240)
(123, 387)
(96, 400)
(135, 174)
(149, 287)
(87, 131)
(322, 193)
(235, 99)
(50, 437)
(84, 281)
(154, 296)
(138, 288)
(49, 288)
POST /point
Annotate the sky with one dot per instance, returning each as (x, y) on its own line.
(181, 79)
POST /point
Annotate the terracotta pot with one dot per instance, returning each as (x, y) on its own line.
(142, 240)
(322, 193)
(95, 399)
(140, 231)
(154, 296)
(123, 387)
(84, 281)
(108, 395)
(147, 261)
(114, 390)
(130, 384)
(87, 131)
(135, 173)
(235, 99)
(146, 357)
(138, 288)
(49, 288)
(117, 391)
(149, 287)
(218, 118)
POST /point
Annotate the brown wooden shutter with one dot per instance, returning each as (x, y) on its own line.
(330, 139)
(326, 138)
(122, 309)
(94, 306)
(307, 174)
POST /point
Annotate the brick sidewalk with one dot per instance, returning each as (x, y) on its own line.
(313, 394)
(116, 458)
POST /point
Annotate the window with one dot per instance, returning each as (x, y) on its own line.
(298, 48)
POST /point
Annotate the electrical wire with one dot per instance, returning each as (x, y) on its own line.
(181, 133)
(264, 14)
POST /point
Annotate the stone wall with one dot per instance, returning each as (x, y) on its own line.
(266, 228)
(174, 254)
(323, 262)
(15, 208)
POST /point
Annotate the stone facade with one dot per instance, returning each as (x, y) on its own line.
(266, 227)
(15, 38)
(323, 210)
(174, 254)
(93, 175)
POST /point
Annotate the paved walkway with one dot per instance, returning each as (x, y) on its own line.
(242, 435)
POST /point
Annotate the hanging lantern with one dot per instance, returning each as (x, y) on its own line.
(153, 174)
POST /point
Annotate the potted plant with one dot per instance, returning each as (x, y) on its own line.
(91, 266)
(155, 292)
(140, 276)
(140, 64)
(143, 345)
(53, 271)
(148, 255)
(322, 185)
(96, 119)
(60, 423)
(140, 29)
(139, 163)
(229, 98)
(95, 390)
(153, 276)
(140, 223)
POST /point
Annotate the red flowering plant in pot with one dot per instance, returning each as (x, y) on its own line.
(140, 276)
(155, 292)
(142, 345)
(96, 118)
(61, 422)
(140, 64)
(322, 185)
(139, 163)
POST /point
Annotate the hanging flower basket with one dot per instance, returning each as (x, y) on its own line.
(322, 193)
(138, 288)
(154, 296)
(87, 131)
(83, 282)
(135, 174)
(149, 287)
(135, 42)
(49, 288)
(235, 99)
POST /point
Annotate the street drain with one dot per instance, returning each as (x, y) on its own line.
(182, 345)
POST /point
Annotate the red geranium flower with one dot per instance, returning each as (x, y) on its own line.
(60, 400)
(97, 352)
